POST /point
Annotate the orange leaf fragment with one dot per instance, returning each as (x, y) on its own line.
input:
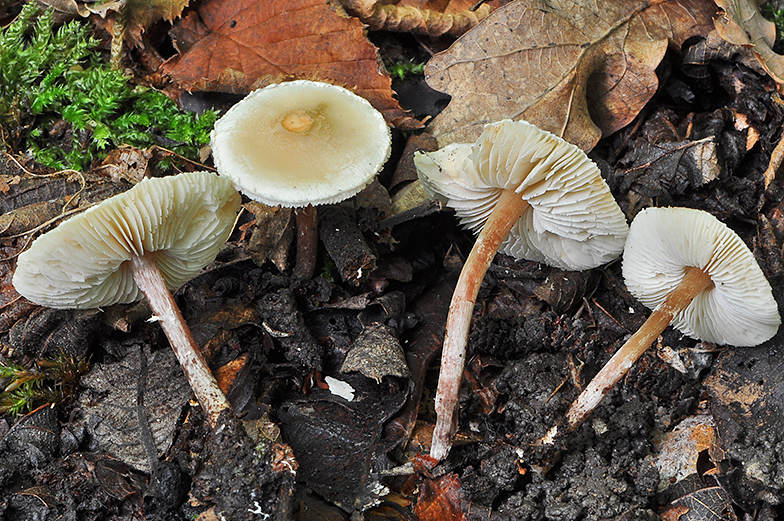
(237, 45)
(440, 499)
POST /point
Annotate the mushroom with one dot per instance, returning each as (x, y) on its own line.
(533, 196)
(143, 242)
(694, 273)
(300, 144)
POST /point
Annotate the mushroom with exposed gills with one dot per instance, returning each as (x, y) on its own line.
(143, 242)
(533, 196)
(300, 144)
(694, 273)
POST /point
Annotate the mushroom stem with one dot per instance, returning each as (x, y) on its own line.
(506, 213)
(694, 282)
(148, 277)
(307, 242)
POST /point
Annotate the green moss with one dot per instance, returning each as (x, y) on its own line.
(51, 382)
(61, 102)
(402, 69)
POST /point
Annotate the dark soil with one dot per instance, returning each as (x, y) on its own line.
(301, 452)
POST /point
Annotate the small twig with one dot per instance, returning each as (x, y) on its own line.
(168, 152)
(31, 232)
(47, 223)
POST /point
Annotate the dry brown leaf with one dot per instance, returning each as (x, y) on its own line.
(443, 6)
(235, 45)
(139, 14)
(143, 13)
(415, 19)
(578, 71)
(742, 23)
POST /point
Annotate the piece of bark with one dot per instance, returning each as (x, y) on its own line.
(351, 253)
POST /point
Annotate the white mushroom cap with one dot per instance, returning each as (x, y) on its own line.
(573, 221)
(738, 310)
(183, 219)
(301, 142)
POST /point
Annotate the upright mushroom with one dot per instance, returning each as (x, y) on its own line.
(533, 196)
(143, 242)
(696, 274)
(300, 144)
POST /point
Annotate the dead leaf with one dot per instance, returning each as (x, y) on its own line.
(376, 353)
(669, 168)
(110, 402)
(271, 234)
(678, 450)
(742, 23)
(139, 14)
(126, 164)
(415, 19)
(578, 71)
(236, 45)
(143, 13)
(440, 499)
(563, 290)
(448, 6)
(66, 9)
(334, 440)
(705, 504)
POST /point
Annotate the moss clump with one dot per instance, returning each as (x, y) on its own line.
(63, 104)
(50, 382)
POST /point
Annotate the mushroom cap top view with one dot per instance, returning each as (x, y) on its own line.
(738, 309)
(573, 221)
(301, 142)
(182, 220)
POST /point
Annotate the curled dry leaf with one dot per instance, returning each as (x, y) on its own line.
(578, 71)
(415, 19)
(742, 23)
(139, 14)
(237, 45)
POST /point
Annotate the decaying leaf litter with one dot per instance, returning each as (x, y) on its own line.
(684, 119)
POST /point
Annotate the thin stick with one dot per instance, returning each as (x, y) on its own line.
(150, 281)
(507, 212)
(694, 282)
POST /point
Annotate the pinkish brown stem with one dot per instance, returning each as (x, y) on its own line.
(694, 282)
(507, 212)
(307, 242)
(150, 281)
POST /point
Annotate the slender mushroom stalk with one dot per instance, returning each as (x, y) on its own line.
(507, 212)
(697, 275)
(148, 277)
(694, 282)
(307, 242)
(533, 196)
(154, 237)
